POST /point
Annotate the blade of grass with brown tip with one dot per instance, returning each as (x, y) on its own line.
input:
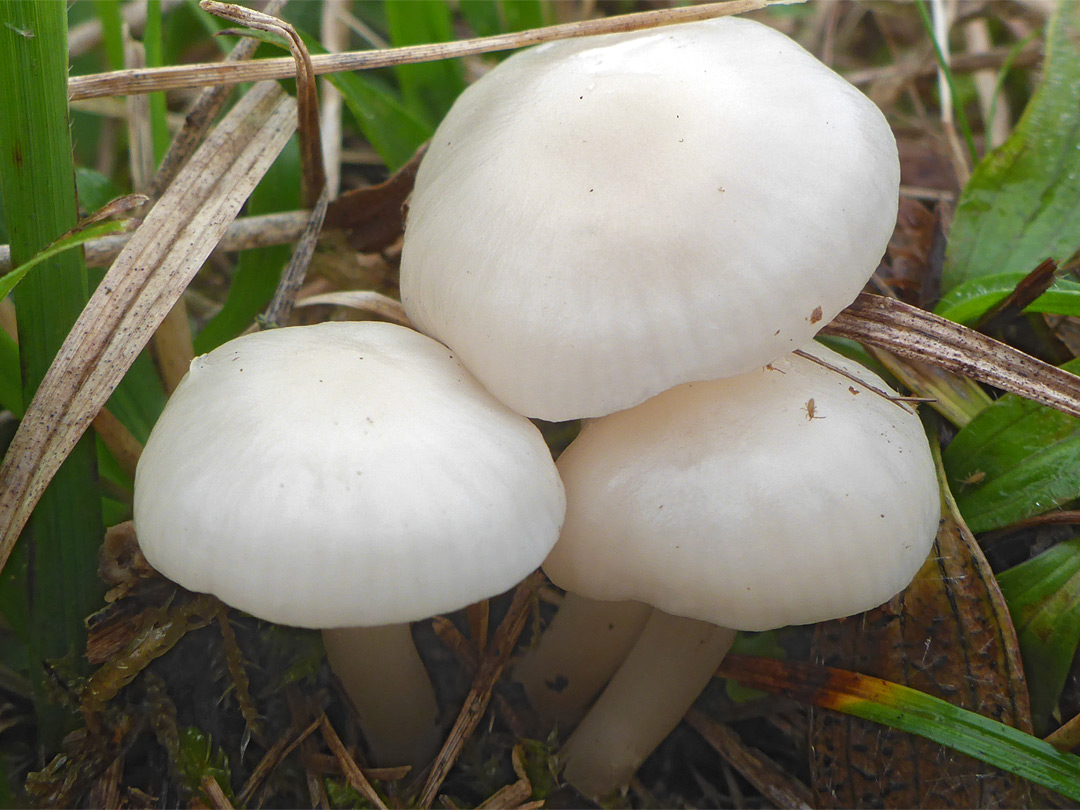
(137, 293)
(37, 184)
(910, 710)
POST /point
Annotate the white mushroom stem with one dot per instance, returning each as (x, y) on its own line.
(577, 655)
(390, 689)
(667, 669)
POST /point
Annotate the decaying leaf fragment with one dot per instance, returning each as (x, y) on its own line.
(949, 635)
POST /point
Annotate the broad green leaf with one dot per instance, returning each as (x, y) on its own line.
(916, 712)
(974, 298)
(1043, 595)
(1014, 460)
(428, 88)
(1021, 204)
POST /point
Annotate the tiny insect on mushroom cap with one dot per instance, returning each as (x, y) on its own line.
(344, 475)
(787, 495)
(600, 219)
(731, 502)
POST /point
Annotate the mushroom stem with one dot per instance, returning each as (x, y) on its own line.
(558, 676)
(669, 666)
(388, 685)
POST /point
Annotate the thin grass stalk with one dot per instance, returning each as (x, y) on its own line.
(38, 189)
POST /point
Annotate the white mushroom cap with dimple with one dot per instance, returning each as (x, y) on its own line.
(788, 495)
(343, 474)
(600, 219)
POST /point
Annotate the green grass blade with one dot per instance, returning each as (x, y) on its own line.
(152, 42)
(37, 183)
(974, 298)
(10, 376)
(112, 31)
(428, 88)
(915, 712)
(10, 281)
(1043, 595)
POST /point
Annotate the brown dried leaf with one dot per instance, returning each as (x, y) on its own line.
(374, 217)
(121, 564)
(948, 634)
(137, 293)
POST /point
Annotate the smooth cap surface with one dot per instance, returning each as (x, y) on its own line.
(600, 219)
(788, 495)
(343, 474)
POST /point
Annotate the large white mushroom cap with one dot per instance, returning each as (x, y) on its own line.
(343, 474)
(601, 219)
(787, 495)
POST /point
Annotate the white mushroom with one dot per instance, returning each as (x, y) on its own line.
(600, 219)
(788, 495)
(344, 475)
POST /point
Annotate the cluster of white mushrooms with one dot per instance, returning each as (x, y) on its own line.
(651, 275)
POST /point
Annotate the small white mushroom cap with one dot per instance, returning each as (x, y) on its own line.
(742, 503)
(600, 219)
(343, 474)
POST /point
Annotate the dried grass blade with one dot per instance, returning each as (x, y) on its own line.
(202, 114)
(213, 791)
(915, 334)
(348, 764)
(123, 82)
(781, 788)
(363, 300)
(243, 234)
(307, 95)
(137, 293)
(476, 702)
(276, 753)
(292, 277)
